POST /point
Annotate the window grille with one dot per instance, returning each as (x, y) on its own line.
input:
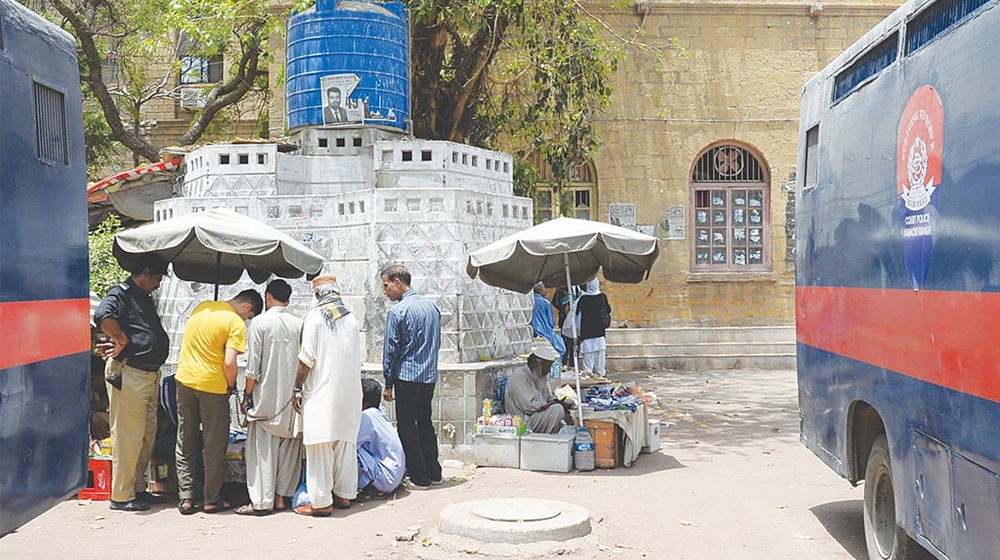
(730, 198)
(878, 58)
(936, 19)
(727, 164)
(50, 124)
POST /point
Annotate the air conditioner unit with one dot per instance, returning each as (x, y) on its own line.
(192, 98)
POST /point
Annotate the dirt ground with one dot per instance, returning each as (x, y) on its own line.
(730, 482)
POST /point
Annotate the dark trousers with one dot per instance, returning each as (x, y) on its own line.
(202, 437)
(416, 431)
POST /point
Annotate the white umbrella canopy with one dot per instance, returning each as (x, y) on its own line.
(565, 250)
(217, 246)
(543, 253)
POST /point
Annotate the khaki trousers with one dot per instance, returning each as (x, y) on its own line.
(202, 429)
(132, 414)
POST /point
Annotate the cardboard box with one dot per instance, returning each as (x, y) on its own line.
(492, 451)
(547, 452)
(501, 431)
(608, 447)
(652, 437)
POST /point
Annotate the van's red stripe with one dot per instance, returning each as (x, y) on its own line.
(951, 339)
(33, 331)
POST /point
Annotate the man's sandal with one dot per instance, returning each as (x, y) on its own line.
(309, 510)
(187, 507)
(217, 507)
(248, 509)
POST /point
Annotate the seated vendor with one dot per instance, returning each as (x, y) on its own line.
(528, 395)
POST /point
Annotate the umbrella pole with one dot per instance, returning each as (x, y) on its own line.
(218, 272)
(572, 317)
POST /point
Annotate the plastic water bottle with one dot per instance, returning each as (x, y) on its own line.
(583, 450)
(556, 371)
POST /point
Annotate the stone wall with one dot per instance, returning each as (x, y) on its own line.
(737, 77)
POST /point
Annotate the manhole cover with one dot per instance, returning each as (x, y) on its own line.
(513, 510)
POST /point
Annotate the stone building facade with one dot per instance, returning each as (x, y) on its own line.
(720, 119)
(699, 142)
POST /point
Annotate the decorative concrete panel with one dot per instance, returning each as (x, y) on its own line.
(448, 200)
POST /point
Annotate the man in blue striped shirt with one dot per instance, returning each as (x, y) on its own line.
(410, 358)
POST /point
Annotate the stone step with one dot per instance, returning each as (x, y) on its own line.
(702, 362)
(618, 350)
(701, 348)
(782, 333)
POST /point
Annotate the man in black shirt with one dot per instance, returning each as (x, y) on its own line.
(137, 348)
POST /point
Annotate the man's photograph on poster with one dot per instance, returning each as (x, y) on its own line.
(338, 107)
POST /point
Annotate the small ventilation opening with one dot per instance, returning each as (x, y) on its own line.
(50, 124)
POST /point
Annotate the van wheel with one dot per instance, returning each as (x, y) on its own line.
(885, 538)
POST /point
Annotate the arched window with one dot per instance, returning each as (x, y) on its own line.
(578, 200)
(730, 197)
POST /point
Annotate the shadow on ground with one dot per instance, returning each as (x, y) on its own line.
(844, 521)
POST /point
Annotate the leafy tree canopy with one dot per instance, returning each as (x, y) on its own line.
(524, 76)
(130, 55)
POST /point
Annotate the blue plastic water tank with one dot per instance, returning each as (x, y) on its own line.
(358, 48)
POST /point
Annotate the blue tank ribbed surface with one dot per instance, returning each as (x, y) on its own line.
(329, 44)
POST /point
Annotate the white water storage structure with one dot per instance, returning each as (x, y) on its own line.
(349, 65)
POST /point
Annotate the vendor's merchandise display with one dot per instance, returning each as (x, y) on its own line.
(499, 425)
(616, 396)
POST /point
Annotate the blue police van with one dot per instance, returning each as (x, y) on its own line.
(44, 303)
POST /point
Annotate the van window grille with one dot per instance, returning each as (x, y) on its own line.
(936, 19)
(50, 124)
(878, 58)
(728, 164)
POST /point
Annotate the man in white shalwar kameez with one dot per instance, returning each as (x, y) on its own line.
(274, 442)
(328, 393)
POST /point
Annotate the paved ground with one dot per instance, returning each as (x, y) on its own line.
(731, 482)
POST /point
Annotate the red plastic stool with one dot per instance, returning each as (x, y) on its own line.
(98, 481)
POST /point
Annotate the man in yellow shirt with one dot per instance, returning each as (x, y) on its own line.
(214, 336)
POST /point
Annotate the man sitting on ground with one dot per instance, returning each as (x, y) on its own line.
(528, 395)
(381, 463)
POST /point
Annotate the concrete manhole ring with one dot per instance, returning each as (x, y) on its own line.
(515, 509)
(515, 520)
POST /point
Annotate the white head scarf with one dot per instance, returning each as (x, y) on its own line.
(592, 288)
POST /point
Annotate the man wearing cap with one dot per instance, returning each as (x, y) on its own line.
(137, 348)
(274, 446)
(528, 395)
(328, 394)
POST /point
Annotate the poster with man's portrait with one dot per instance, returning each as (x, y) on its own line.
(338, 107)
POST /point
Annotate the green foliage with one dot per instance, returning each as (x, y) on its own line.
(101, 149)
(528, 77)
(104, 270)
(131, 54)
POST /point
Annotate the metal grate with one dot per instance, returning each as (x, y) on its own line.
(728, 164)
(936, 19)
(50, 124)
(878, 58)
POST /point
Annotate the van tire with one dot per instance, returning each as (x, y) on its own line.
(886, 540)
